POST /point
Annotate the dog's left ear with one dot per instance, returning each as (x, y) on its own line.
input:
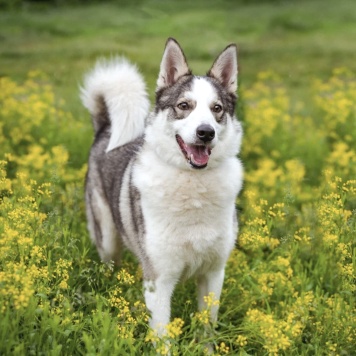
(224, 68)
(173, 65)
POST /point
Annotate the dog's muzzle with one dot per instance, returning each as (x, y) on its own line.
(197, 154)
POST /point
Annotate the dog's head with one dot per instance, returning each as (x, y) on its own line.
(193, 124)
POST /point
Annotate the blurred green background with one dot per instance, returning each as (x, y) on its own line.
(299, 40)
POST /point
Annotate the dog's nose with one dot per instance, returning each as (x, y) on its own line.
(205, 132)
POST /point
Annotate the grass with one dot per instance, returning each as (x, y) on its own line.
(289, 286)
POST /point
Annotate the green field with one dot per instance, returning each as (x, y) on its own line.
(290, 282)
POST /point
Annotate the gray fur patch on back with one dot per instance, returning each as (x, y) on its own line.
(106, 170)
(105, 174)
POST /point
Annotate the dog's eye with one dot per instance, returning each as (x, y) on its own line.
(183, 106)
(217, 108)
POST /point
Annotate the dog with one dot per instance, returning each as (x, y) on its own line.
(164, 184)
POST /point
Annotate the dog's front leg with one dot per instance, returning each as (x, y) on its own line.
(211, 282)
(158, 295)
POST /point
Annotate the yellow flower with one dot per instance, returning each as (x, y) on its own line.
(222, 348)
(174, 328)
(125, 277)
(241, 340)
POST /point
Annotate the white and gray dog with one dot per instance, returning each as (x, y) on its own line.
(164, 184)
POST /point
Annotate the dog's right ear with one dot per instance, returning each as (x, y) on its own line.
(173, 65)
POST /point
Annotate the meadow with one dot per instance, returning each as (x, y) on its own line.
(290, 282)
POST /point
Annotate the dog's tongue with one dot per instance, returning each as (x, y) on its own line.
(199, 155)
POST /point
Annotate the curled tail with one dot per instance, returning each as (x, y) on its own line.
(115, 94)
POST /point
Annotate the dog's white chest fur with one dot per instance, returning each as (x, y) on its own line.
(188, 213)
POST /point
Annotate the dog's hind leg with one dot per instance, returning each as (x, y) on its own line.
(102, 228)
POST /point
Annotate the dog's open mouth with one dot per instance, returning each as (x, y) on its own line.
(196, 155)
